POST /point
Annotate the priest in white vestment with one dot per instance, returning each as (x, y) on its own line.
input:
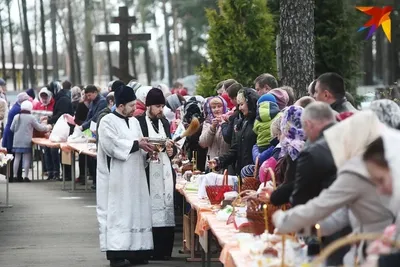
(160, 175)
(123, 200)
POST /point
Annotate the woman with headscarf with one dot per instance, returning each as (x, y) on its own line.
(173, 110)
(8, 136)
(211, 135)
(141, 95)
(352, 198)
(76, 95)
(292, 141)
(240, 152)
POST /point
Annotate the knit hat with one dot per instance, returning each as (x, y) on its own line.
(27, 106)
(116, 84)
(155, 97)
(281, 96)
(124, 95)
(142, 92)
(266, 97)
(21, 97)
(31, 93)
(134, 85)
(2, 82)
(173, 102)
(387, 111)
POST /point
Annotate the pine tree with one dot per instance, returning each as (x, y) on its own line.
(241, 44)
(337, 43)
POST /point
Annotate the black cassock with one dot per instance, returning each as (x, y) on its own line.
(163, 237)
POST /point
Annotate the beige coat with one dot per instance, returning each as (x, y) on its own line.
(213, 140)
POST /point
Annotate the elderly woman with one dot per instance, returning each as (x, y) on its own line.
(8, 136)
(352, 198)
(76, 93)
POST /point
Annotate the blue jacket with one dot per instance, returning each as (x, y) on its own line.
(97, 105)
(8, 136)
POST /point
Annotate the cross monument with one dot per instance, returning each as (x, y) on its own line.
(125, 22)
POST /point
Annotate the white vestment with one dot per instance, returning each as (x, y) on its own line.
(123, 200)
(161, 183)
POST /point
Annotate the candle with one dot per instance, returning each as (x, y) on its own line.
(318, 228)
(238, 184)
(266, 217)
(283, 251)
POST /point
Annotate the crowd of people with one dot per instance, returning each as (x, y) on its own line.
(329, 158)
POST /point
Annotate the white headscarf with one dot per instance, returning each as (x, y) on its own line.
(142, 92)
(391, 143)
(351, 137)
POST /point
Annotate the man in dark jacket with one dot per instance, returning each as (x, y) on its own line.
(330, 89)
(315, 168)
(97, 104)
(62, 106)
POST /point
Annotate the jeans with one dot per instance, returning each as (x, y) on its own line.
(52, 159)
(92, 166)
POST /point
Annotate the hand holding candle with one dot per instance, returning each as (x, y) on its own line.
(266, 217)
(318, 228)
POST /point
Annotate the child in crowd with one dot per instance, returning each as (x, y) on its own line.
(22, 126)
(267, 109)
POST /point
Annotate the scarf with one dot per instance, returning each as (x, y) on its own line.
(293, 135)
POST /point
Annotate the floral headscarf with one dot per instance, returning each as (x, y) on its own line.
(207, 107)
(293, 135)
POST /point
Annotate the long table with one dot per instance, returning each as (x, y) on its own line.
(80, 148)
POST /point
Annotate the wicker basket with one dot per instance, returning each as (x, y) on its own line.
(349, 240)
(251, 183)
(255, 211)
(216, 193)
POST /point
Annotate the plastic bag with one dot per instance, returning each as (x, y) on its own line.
(60, 131)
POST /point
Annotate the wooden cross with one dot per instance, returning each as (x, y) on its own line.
(125, 22)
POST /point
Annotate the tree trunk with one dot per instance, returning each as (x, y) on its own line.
(167, 44)
(147, 59)
(71, 35)
(78, 65)
(53, 19)
(89, 67)
(297, 44)
(189, 36)
(3, 52)
(25, 80)
(14, 73)
(133, 58)
(178, 62)
(394, 47)
(32, 76)
(368, 63)
(44, 56)
(106, 26)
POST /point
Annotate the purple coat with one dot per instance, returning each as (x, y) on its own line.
(8, 136)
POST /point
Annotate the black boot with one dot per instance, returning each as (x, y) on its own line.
(119, 263)
(26, 180)
(20, 180)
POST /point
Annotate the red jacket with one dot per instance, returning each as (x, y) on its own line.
(140, 109)
(37, 105)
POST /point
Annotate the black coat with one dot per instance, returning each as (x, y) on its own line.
(145, 132)
(227, 128)
(192, 145)
(315, 171)
(240, 153)
(62, 106)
